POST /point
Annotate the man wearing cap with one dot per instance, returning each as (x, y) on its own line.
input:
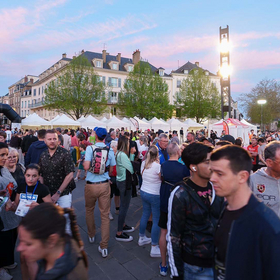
(98, 188)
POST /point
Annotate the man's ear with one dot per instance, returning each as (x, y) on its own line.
(243, 176)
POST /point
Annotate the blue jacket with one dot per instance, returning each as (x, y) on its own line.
(34, 152)
(161, 156)
(254, 244)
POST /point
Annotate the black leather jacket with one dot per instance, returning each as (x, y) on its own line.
(191, 228)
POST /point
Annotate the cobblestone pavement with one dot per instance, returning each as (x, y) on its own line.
(126, 260)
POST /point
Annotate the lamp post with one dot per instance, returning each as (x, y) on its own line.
(261, 102)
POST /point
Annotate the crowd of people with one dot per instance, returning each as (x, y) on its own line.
(210, 205)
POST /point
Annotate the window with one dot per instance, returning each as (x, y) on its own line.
(25, 104)
(28, 112)
(115, 66)
(98, 63)
(113, 111)
(179, 83)
(42, 89)
(25, 113)
(21, 104)
(34, 92)
(186, 71)
(39, 91)
(113, 97)
(161, 73)
(113, 82)
(129, 68)
(206, 73)
(22, 113)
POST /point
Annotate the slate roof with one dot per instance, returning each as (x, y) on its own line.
(190, 66)
(91, 55)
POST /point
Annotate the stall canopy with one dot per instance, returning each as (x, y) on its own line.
(158, 124)
(104, 119)
(192, 125)
(63, 120)
(143, 124)
(91, 122)
(34, 120)
(175, 124)
(114, 122)
(81, 119)
(132, 126)
(252, 126)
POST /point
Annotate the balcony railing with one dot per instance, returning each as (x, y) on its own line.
(35, 105)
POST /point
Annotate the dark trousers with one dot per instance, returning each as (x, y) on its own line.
(7, 244)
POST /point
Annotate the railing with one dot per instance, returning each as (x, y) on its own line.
(38, 104)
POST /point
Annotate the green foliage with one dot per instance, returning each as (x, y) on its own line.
(145, 94)
(77, 90)
(198, 97)
(270, 91)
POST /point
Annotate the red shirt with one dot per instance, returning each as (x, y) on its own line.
(252, 148)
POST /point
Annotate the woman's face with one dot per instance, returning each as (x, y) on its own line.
(12, 159)
(32, 249)
(141, 142)
(3, 156)
(133, 150)
(31, 177)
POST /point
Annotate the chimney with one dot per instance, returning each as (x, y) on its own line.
(25, 79)
(197, 63)
(83, 51)
(64, 55)
(31, 80)
(104, 56)
(136, 57)
(119, 58)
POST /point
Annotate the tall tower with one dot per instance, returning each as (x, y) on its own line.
(225, 71)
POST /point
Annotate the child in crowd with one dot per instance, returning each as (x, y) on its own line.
(82, 148)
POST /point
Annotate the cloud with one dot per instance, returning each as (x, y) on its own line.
(80, 16)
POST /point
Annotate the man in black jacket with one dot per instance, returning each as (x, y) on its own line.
(27, 141)
(193, 212)
(247, 237)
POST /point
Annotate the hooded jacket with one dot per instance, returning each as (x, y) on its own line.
(68, 267)
(34, 152)
(266, 189)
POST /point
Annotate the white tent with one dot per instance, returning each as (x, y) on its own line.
(251, 126)
(81, 119)
(130, 123)
(104, 119)
(143, 124)
(55, 118)
(63, 120)
(91, 122)
(114, 122)
(34, 120)
(175, 124)
(157, 124)
(145, 120)
(192, 125)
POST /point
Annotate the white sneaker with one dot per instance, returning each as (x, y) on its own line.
(91, 239)
(155, 252)
(111, 216)
(104, 252)
(76, 179)
(144, 240)
(4, 275)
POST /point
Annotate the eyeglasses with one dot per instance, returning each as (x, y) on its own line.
(12, 157)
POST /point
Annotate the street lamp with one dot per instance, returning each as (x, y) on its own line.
(261, 102)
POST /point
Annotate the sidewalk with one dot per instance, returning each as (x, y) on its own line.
(126, 260)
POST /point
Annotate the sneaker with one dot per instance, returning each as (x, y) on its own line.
(12, 266)
(144, 240)
(124, 237)
(163, 270)
(4, 275)
(91, 239)
(104, 252)
(76, 179)
(127, 228)
(111, 216)
(155, 252)
(117, 212)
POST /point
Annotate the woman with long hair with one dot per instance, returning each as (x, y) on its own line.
(150, 194)
(124, 168)
(43, 239)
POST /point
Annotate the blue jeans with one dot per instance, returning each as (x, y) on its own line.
(192, 272)
(151, 204)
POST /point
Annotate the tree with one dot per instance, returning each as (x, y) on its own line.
(145, 94)
(77, 90)
(270, 91)
(198, 97)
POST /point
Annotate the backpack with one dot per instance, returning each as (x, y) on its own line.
(99, 159)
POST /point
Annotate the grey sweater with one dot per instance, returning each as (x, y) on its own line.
(9, 219)
(266, 189)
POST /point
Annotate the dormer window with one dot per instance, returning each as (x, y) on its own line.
(129, 68)
(115, 66)
(98, 63)
(186, 71)
(206, 73)
(161, 72)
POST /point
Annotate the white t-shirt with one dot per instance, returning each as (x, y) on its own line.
(151, 180)
(141, 149)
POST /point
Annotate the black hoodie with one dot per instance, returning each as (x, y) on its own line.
(34, 152)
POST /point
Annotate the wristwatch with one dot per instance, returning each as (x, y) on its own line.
(59, 192)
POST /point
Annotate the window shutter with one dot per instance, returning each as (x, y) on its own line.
(110, 81)
(120, 83)
(104, 80)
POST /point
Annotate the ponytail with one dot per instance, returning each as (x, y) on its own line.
(152, 156)
(76, 234)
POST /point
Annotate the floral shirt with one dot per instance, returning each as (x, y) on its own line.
(55, 168)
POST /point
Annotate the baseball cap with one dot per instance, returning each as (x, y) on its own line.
(101, 133)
